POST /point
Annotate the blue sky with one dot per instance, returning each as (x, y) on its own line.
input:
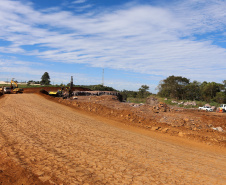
(135, 42)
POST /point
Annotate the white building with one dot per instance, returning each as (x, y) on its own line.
(3, 82)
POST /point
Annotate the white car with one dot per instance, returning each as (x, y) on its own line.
(206, 108)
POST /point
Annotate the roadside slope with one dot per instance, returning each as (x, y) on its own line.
(58, 144)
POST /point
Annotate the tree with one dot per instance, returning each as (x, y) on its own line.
(143, 91)
(224, 84)
(128, 94)
(192, 90)
(45, 79)
(220, 97)
(210, 89)
(174, 87)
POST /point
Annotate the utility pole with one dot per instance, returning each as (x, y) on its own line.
(103, 78)
(71, 85)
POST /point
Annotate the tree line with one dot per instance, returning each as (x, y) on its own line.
(180, 88)
(141, 93)
(176, 87)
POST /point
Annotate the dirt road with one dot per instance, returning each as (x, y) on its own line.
(60, 145)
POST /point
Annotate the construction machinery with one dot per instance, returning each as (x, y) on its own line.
(55, 93)
(2, 90)
(15, 88)
(64, 92)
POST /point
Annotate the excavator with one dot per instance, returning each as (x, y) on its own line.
(15, 87)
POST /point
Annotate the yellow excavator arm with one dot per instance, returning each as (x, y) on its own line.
(15, 89)
(11, 84)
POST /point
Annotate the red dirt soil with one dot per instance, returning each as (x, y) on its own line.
(191, 124)
(13, 174)
(185, 124)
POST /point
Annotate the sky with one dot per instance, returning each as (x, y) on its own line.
(138, 42)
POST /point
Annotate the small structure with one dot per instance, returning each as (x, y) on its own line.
(3, 82)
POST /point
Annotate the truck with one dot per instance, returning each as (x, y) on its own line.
(223, 107)
(206, 108)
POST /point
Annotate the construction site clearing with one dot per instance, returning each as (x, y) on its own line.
(194, 124)
(207, 127)
(50, 155)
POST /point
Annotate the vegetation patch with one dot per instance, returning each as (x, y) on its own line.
(180, 88)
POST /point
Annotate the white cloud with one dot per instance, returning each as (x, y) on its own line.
(201, 16)
(80, 6)
(145, 39)
(83, 8)
(79, 1)
(13, 62)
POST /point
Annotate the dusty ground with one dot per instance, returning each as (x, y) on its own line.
(45, 142)
(186, 123)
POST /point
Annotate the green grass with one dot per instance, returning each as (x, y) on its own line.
(136, 100)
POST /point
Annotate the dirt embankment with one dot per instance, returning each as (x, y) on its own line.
(190, 124)
(61, 145)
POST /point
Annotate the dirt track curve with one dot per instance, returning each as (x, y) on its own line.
(62, 146)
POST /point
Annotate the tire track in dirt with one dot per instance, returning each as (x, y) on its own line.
(55, 142)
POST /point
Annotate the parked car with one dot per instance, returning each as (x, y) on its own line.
(206, 108)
